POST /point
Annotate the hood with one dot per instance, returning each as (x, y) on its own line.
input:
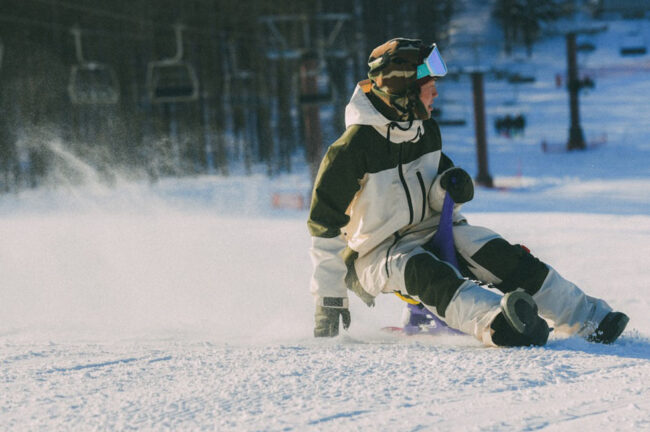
(360, 111)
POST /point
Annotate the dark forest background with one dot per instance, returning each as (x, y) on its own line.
(128, 103)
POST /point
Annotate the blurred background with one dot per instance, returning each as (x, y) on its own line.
(169, 88)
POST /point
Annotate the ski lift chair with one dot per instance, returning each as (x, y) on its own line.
(172, 80)
(633, 44)
(585, 46)
(91, 82)
(521, 72)
(521, 77)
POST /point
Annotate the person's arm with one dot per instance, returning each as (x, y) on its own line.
(453, 180)
(336, 184)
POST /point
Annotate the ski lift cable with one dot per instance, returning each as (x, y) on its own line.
(101, 33)
(28, 21)
(94, 11)
(240, 34)
(61, 27)
(122, 17)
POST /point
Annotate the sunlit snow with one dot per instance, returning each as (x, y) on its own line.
(184, 304)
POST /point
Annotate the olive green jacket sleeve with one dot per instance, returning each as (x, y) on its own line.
(336, 184)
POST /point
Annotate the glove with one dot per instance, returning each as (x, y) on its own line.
(327, 316)
(458, 184)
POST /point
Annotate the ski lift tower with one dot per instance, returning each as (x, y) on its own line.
(576, 135)
(483, 176)
(312, 58)
(91, 83)
(172, 79)
(477, 73)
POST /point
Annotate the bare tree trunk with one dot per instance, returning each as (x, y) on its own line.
(285, 106)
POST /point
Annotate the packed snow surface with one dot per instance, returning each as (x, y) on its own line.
(189, 320)
(184, 305)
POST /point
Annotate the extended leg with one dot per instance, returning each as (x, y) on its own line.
(493, 260)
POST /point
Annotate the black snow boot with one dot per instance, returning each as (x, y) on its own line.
(518, 323)
(610, 328)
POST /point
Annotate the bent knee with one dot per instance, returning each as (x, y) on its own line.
(514, 265)
(433, 281)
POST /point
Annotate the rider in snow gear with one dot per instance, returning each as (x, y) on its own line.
(376, 203)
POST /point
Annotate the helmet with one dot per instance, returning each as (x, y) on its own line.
(393, 73)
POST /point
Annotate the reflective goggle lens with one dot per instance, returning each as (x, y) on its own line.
(433, 65)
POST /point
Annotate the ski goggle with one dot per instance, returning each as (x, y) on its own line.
(433, 65)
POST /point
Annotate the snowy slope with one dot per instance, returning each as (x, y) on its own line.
(158, 322)
(184, 305)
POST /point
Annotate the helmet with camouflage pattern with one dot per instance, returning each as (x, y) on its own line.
(393, 73)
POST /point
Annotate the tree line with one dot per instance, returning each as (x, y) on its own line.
(104, 82)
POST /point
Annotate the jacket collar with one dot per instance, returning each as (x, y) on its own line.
(360, 111)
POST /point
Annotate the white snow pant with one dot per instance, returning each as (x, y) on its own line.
(471, 308)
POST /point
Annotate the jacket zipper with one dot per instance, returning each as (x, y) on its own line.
(405, 186)
(424, 194)
(397, 237)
